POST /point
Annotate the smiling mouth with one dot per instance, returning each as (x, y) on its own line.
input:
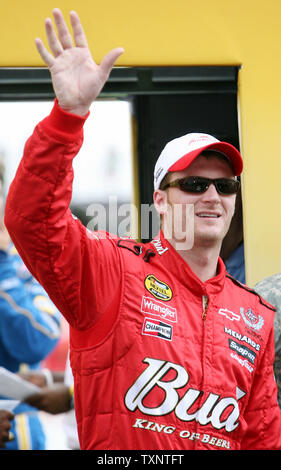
(208, 215)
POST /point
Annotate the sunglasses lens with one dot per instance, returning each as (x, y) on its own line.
(227, 186)
(194, 185)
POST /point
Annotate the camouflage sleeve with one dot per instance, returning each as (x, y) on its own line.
(270, 290)
(277, 373)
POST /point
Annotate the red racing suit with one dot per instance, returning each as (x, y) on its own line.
(160, 359)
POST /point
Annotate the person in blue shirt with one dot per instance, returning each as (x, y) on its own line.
(232, 251)
(29, 331)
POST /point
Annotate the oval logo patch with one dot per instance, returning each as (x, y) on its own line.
(158, 289)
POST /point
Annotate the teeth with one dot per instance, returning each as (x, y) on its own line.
(208, 215)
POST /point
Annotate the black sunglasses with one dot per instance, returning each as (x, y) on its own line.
(198, 184)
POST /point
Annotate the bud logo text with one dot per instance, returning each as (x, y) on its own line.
(210, 412)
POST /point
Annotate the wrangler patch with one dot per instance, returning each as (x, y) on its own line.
(156, 308)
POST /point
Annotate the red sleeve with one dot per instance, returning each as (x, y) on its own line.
(54, 245)
(263, 414)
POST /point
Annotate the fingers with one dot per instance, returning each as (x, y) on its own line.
(78, 32)
(6, 416)
(5, 426)
(45, 55)
(63, 40)
(109, 60)
(63, 32)
(53, 42)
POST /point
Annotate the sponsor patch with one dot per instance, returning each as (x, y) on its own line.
(252, 320)
(157, 328)
(242, 350)
(242, 362)
(159, 289)
(159, 247)
(229, 315)
(158, 309)
(243, 338)
(180, 399)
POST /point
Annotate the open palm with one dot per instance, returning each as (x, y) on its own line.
(77, 79)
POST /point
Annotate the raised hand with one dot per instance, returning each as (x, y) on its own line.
(77, 79)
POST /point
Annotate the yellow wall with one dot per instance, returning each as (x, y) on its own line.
(214, 32)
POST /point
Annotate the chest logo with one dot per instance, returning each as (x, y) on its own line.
(221, 412)
(156, 308)
(229, 314)
(157, 328)
(252, 320)
(159, 289)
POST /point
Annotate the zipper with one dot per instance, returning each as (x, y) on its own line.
(205, 302)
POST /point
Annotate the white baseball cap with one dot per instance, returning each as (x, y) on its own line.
(179, 153)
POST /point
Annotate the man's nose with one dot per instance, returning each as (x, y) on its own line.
(211, 193)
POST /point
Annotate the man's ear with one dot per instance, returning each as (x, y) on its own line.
(160, 201)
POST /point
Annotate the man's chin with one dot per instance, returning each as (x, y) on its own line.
(208, 238)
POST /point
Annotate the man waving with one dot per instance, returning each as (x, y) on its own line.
(167, 350)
